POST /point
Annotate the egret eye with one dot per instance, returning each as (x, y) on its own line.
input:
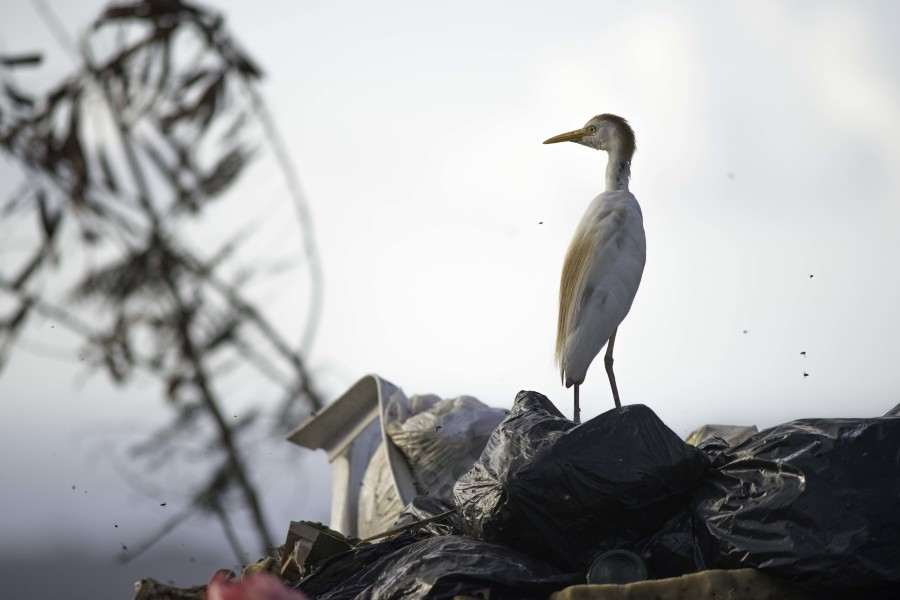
(592, 130)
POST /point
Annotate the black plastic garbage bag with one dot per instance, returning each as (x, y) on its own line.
(352, 573)
(673, 550)
(815, 501)
(567, 492)
(439, 567)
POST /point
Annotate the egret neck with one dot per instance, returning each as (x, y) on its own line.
(618, 170)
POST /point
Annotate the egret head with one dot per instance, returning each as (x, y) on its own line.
(604, 132)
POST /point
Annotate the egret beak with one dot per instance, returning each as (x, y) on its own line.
(572, 136)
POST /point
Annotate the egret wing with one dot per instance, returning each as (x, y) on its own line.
(601, 275)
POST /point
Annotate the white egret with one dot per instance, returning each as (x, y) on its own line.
(604, 262)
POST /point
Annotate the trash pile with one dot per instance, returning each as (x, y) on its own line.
(808, 509)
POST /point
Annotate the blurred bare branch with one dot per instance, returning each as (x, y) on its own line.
(132, 153)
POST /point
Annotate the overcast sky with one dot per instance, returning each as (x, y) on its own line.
(768, 139)
(767, 168)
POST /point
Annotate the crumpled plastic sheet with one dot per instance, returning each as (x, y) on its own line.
(437, 568)
(566, 493)
(442, 442)
(816, 501)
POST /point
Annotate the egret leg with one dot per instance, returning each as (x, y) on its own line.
(577, 408)
(608, 359)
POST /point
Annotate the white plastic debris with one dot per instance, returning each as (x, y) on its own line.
(733, 434)
(385, 449)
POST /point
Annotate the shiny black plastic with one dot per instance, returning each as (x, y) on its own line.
(816, 501)
(426, 507)
(566, 493)
(436, 568)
